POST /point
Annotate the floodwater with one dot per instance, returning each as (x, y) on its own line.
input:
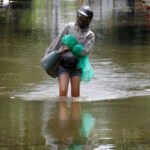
(113, 110)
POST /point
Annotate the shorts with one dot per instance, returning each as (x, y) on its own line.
(71, 71)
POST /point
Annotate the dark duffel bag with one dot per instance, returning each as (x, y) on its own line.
(50, 63)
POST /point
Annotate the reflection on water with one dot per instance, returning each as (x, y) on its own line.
(66, 127)
(73, 125)
(121, 61)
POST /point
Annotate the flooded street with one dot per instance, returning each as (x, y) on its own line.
(58, 125)
(113, 111)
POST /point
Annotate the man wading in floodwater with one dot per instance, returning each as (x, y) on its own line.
(68, 68)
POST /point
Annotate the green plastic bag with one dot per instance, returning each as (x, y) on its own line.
(84, 62)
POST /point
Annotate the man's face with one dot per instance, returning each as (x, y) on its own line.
(82, 21)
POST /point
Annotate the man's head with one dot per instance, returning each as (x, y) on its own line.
(84, 16)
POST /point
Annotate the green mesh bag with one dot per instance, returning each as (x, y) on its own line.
(69, 40)
(87, 69)
(77, 50)
(84, 62)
